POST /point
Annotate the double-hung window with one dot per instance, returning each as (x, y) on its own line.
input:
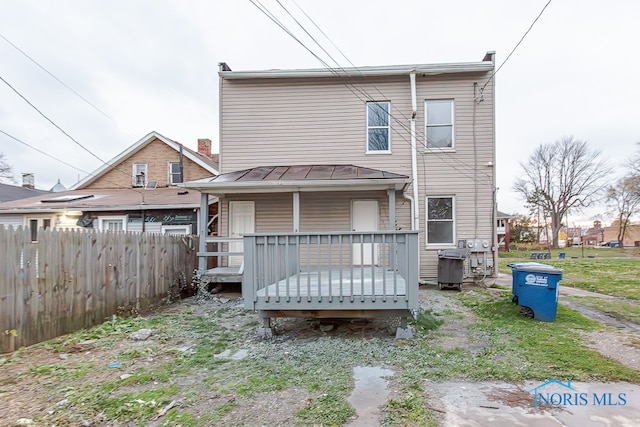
(112, 223)
(440, 220)
(175, 173)
(139, 174)
(378, 127)
(439, 131)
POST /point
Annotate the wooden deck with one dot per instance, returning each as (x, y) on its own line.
(313, 275)
(222, 275)
(338, 283)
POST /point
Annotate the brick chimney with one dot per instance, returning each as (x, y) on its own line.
(204, 147)
(28, 180)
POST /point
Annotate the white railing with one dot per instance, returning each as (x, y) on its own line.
(331, 270)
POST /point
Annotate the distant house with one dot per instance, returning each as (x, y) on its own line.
(135, 191)
(503, 231)
(631, 235)
(594, 236)
(9, 193)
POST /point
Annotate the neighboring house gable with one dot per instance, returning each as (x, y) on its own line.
(109, 199)
(154, 159)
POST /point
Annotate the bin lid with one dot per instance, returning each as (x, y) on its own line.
(453, 253)
(536, 267)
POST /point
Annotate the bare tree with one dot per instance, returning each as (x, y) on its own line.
(562, 176)
(6, 170)
(625, 197)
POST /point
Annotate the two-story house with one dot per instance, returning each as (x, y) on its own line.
(394, 148)
(135, 191)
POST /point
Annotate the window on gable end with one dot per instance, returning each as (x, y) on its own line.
(439, 129)
(139, 174)
(175, 173)
(378, 127)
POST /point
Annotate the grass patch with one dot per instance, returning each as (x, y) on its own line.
(410, 409)
(329, 409)
(540, 350)
(425, 321)
(609, 276)
(619, 309)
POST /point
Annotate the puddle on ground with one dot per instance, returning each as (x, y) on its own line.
(369, 394)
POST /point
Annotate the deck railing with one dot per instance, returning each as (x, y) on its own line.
(316, 269)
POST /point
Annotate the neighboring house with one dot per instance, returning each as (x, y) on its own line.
(631, 235)
(333, 154)
(502, 230)
(14, 192)
(594, 236)
(135, 191)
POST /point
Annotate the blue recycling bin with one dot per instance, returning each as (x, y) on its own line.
(535, 288)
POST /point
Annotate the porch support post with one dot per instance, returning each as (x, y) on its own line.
(202, 230)
(392, 209)
(296, 212)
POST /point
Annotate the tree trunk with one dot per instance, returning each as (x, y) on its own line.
(555, 228)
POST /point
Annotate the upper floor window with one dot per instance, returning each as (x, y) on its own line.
(378, 127)
(439, 124)
(139, 174)
(440, 220)
(175, 173)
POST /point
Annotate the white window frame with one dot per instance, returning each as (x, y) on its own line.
(167, 229)
(388, 127)
(452, 124)
(136, 170)
(103, 219)
(171, 174)
(452, 220)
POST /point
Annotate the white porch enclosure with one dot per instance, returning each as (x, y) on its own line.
(312, 274)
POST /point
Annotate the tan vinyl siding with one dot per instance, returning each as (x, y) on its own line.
(324, 211)
(157, 155)
(272, 122)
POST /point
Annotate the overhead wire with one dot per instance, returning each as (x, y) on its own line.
(92, 105)
(63, 161)
(446, 159)
(60, 129)
(516, 46)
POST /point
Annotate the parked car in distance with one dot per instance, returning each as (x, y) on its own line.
(611, 244)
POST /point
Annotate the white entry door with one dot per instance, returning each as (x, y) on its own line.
(364, 217)
(241, 221)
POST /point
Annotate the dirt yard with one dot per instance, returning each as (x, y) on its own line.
(87, 379)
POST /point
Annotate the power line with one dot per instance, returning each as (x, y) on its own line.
(353, 88)
(42, 152)
(516, 46)
(59, 128)
(66, 85)
(51, 121)
(64, 162)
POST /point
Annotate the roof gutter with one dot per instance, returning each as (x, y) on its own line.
(301, 185)
(400, 70)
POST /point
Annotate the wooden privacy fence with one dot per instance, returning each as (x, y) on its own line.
(71, 279)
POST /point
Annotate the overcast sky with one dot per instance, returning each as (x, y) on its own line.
(152, 65)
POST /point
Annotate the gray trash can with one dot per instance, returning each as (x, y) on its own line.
(451, 268)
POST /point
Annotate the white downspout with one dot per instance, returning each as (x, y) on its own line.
(415, 220)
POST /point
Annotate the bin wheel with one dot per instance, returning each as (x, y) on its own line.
(440, 285)
(460, 287)
(527, 312)
(514, 299)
